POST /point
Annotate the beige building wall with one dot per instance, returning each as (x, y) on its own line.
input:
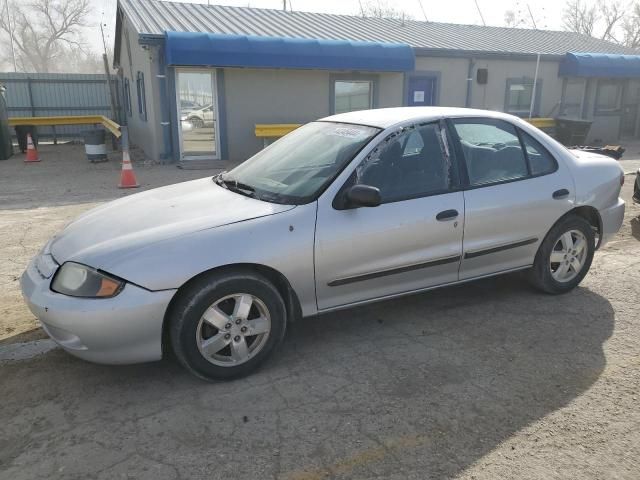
(492, 96)
(453, 78)
(454, 74)
(287, 96)
(146, 134)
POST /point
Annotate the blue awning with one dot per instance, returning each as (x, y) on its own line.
(208, 49)
(600, 65)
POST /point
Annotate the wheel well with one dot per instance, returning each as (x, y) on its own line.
(292, 303)
(591, 215)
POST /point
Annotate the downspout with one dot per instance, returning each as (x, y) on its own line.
(165, 114)
(467, 102)
(535, 84)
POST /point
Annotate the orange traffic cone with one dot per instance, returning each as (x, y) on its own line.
(32, 153)
(127, 176)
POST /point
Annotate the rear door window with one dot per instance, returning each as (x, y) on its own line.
(492, 151)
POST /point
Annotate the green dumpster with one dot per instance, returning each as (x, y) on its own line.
(572, 131)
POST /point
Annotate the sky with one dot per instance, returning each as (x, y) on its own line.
(547, 13)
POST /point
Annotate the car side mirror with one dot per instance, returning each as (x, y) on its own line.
(363, 196)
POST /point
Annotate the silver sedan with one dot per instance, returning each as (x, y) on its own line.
(350, 209)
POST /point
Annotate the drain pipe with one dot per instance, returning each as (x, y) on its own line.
(165, 115)
(467, 102)
(533, 92)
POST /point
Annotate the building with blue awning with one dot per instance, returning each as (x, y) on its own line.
(605, 89)
(198, 78)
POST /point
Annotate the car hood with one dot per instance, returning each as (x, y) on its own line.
(145, 218)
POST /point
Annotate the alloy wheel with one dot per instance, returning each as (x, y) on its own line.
(233, 329)
(568, 256)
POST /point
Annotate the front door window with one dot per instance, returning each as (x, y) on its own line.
(413, 164)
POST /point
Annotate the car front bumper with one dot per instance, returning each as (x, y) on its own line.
(612, 218)
(123, 329)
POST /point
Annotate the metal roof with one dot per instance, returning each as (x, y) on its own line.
(154, 17)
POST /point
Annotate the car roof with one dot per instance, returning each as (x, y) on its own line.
(387, 117)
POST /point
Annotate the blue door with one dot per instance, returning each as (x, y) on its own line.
(422, 91)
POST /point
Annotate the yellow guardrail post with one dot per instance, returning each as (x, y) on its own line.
(268, 131)
(542, 123)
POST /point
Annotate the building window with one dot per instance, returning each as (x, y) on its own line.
(572, 98)
(351, 95)
(608, 96)
(127, 96)
(518, 96)
(142, 100)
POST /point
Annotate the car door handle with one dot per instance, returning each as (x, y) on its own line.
(447, 215)
(560, 194)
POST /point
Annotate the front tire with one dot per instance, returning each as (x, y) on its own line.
(225, 325)
(564, 257)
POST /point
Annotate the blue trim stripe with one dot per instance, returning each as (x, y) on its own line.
(208, 49)
(600, 65)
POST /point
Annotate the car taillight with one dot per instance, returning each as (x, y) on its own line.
(622, 179)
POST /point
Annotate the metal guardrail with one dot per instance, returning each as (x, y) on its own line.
(107, 123)
(269, 132)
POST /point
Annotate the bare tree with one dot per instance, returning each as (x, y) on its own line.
(580, 17)
(511, 20)
(382, 9)
(44, 30)
(81, 60)
(603, 19)
(631, 27)
(518, 19)
(612, 13)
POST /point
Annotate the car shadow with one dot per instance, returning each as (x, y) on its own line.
(423, 385)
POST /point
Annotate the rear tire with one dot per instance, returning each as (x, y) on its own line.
(225, 325)
(564, 256)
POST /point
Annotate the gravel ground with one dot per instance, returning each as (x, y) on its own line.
(481, 381)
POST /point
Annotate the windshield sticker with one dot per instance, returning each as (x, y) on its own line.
(348, 132)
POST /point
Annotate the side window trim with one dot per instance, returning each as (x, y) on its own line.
(463, 174)
(455, 158)
(523, 147)
(464, 183)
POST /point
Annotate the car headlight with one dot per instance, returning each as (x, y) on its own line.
(77, 280)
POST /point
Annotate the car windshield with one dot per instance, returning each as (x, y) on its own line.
(296, 168)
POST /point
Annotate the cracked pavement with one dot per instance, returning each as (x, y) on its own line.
(485, 380)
